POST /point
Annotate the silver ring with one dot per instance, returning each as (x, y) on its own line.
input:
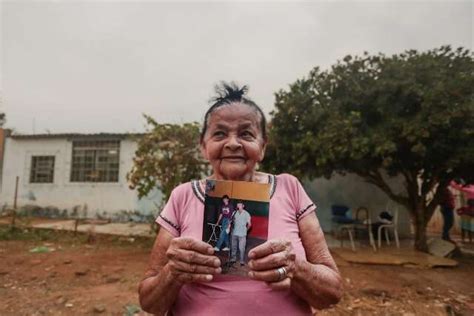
(282, 273)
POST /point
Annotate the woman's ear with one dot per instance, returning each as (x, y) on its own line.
(262, 153)
(202, 147)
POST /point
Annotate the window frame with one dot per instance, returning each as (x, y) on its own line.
(93, 162)
(44, 171)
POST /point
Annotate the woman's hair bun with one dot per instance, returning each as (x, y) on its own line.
(229, 92)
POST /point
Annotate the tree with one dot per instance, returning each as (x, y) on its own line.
(409, 115)
(166, 156)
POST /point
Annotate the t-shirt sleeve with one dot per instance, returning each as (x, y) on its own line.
(168, 218)
(304, 204)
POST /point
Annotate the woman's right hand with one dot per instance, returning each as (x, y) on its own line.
(192, 260)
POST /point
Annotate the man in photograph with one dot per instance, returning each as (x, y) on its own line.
(225, 214)
(241, 224)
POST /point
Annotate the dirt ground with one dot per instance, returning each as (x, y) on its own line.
(78, 276)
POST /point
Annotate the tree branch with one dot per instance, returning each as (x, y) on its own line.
(375, 177)
(412, 187)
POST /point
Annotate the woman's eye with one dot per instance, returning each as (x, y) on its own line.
(247, 134)
(218, 134)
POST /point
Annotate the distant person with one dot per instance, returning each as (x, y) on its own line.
(225, 214)
(466, 189)
(466, 212)
(447, 210)
(241, 224)
(467, 221)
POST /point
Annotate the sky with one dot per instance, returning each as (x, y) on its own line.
(97, 66)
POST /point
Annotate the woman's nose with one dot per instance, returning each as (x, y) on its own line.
(233, 143)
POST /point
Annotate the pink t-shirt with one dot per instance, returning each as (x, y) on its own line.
(234, 295)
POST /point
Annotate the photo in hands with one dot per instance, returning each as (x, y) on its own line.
(235, 221)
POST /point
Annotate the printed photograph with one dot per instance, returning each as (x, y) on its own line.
(235, 221)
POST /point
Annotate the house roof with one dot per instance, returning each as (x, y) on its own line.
(77, 135)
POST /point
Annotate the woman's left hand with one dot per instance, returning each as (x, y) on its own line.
(273, 262)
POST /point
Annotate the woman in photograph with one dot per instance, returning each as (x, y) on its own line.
(291, 273)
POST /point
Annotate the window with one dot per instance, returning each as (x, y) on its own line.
(95, 161)
(42, 169)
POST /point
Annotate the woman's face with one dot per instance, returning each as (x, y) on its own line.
(233, 142)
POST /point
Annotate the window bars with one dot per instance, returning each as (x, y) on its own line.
(42, 169)
(95, 161)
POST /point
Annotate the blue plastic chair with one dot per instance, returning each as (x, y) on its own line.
(343, 222)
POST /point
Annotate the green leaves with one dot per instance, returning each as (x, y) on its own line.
(166, 156)
(413, 111)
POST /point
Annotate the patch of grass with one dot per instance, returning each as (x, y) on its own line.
(131, 309)
(68, 237)
(31, 234)
(40, 249)
(14, 233)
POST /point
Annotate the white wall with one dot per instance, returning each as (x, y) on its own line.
(63, 194)
(354, 192)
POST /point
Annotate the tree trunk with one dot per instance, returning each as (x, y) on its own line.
(420, 231)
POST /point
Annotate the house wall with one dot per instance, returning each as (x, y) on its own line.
(352, 191)
(63, 194)
(3, 134)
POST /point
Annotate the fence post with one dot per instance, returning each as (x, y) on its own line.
(15, 197)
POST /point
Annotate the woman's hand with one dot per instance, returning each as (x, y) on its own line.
(273, 262)
(191, 260)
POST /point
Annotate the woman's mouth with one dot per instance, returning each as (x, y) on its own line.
(233, 159)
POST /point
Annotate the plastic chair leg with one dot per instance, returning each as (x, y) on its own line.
(339, 235)
(371, 240)
(351, 239)
(379, 236)
(387, 238)
(395, 233)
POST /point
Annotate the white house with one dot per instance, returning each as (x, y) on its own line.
(83, 173)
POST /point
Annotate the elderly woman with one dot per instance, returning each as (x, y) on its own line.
(290, 273)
